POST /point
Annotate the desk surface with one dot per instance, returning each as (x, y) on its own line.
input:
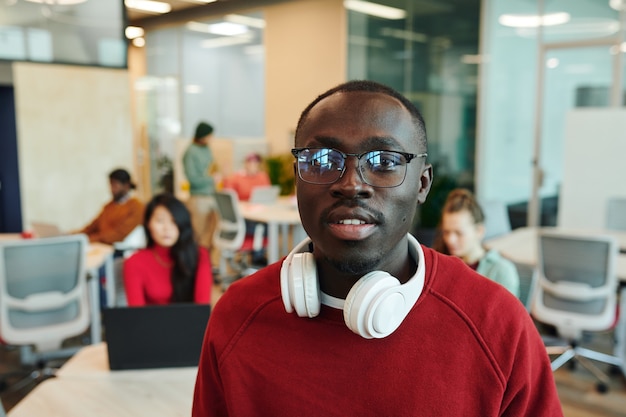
(283, 214)
(85, 386)
(285, 211)
(521, 245)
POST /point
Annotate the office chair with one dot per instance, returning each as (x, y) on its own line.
(232, 241)
(134, 241)
(527, 283)
(616, 213)
(43, 300)
(577, 292)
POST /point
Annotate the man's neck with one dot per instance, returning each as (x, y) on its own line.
(123, 199)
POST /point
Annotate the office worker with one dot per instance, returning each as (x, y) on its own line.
(172, 268)
(253, 175)
(120, 215)
(461, 233)
(362, 320)
(199, 166)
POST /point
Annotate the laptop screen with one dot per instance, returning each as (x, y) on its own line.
(155, 336)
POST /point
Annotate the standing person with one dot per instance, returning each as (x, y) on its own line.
(253, 175)
(198, 164)
(462, 229)
(172, 268)
(120, 215)
(362, 320)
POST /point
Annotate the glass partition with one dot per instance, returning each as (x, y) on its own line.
(541, 59)
(429, 51)
(84, 32)
(220, 64)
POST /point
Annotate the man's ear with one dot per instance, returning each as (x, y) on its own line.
(425, 181)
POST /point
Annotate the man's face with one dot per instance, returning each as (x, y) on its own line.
(204, 140)
(356, 227)
(118, 189)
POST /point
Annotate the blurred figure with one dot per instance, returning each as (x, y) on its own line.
(243, 182)
(253, 175)
(172, 268)
(199, 167)
(119, 216)
(462, 230)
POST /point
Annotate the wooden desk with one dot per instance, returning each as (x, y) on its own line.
(86, 387)
(521, 246)
(284, 214)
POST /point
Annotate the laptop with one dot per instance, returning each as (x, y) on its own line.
(265, 194)
(164, 336)
(42, 229)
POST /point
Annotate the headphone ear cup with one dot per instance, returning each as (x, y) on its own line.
(374, 306)
(301, 285)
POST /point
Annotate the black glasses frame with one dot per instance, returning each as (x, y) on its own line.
(408, 156)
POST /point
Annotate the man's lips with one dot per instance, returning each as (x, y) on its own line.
(351, 216)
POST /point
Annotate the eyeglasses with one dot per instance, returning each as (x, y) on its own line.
(384, 169)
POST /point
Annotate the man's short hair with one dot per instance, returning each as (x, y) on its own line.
(373, 87)
(203, 129)
(122, 176)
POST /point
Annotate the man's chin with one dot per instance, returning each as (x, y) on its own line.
(356, 265)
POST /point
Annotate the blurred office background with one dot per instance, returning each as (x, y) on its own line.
(518, 95)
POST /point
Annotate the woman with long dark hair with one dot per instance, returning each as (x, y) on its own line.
(172, 268)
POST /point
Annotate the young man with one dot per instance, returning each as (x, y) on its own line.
(362, 320)
(119, 216)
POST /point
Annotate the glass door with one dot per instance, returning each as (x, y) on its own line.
(573, 77)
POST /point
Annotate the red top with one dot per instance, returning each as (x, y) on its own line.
(147, 277)
(243, 183)
(467, 348)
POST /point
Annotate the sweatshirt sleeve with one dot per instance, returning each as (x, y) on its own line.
(204, 278)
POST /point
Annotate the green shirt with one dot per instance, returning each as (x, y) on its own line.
(196, 162)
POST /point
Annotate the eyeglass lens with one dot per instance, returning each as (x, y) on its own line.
(377, 168)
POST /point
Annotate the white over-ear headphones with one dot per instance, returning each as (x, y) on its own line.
(374, 307)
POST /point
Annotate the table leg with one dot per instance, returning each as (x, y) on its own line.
(109, 281)
(94, 298)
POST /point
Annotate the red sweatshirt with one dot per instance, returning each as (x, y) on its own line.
(147, 277)
(467, 348)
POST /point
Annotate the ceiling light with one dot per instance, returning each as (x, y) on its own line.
(552, 63)
(227, 29)
(374, 9)
(149, 6)
(222, 28)
(139, 42)
(133, 32)
(254, 22)
(616, 4)
(532, 20)
(225, 41)
(193, 89)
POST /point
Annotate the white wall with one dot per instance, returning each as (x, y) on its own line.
(73, 128)
(594, 168)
